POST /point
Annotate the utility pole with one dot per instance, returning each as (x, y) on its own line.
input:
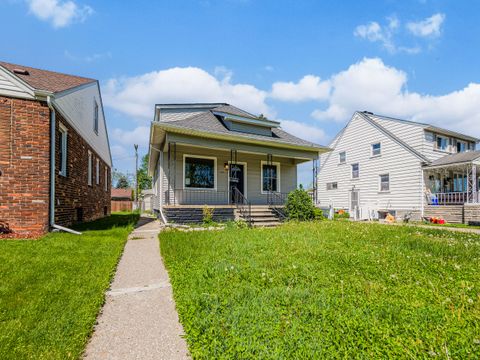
(136, 175)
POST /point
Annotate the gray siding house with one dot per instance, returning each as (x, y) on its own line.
(385, 165)
(221, 156)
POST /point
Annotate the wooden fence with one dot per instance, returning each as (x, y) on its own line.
(122, 205)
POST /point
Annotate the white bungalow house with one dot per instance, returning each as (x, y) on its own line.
(383, 165)
(214, 154)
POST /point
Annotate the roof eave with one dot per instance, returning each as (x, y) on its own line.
(211, 135)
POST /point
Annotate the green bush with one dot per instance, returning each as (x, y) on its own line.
(299, 206)
(207, 215)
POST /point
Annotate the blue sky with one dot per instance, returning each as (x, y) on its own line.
(309, 64)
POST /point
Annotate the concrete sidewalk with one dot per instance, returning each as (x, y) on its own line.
(139, 319)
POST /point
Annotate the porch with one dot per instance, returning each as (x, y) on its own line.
(451, 182)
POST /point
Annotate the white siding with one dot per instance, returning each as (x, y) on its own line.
(409, 133)
(402, 166)
(10, 86)
(78, 108)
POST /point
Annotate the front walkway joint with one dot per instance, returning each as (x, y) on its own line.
(139, 319)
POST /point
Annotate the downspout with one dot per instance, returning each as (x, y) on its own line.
(52, 170)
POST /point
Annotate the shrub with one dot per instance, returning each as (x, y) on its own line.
(207, 215)
(341, 214)
(299, 206)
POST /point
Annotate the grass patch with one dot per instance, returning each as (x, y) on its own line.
(52, 289)
(327, 290)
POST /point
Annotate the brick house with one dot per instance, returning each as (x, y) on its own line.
(41, 188)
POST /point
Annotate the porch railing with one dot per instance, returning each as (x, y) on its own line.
(276, 201)
(197, 197)
(242, 204)
(449, 198)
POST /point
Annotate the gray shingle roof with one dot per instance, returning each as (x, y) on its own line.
(233, 110)
(207, 122)
(464, 157)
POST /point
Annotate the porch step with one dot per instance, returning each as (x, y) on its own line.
(451, 213)
(263, 216)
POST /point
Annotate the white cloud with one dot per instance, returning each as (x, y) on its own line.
(430, 27)
(59, 13)
(136, 96)
(304, 131)
(372, 85)
(374, 32)
(309, 87)
(140, 136)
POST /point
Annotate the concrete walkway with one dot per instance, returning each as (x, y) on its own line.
(139, 319)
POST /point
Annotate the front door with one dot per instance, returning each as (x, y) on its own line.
(236, 179)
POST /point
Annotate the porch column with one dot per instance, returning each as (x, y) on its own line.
(315, 179)
(474, 184)
(172, 171)
(468, 185)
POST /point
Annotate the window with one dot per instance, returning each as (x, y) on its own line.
(97, 171)
(462, 146)
(385, 182)
(332, 186)
(270, 177)
(106, 178)
(95, 117)
(442, 143)
(376, 149)
(62, 146)
(459, 182)
(342, 157)
(355, 171)
(199, 172)
(89, 168)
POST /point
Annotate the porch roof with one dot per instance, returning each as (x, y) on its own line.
(463, 158)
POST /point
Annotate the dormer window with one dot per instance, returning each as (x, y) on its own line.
(462, 146)
(442, 143)
(95, 117)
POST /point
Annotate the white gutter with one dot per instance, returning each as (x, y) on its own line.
(52, 169)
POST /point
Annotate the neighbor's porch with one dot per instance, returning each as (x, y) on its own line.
(453, 184)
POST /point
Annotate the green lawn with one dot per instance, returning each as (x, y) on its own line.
(327, 290)
(52, 289)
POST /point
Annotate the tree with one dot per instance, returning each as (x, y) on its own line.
(144, 181)
(122, 182)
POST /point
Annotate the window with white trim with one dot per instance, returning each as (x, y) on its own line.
(462, 146)
(376, 149)
(385, 182)
(342, 157)
(199, 172)
(106, 178)
(89, 168)
(270, 177)
(355, 171)
(95, 116)
(442, 143)
(62, 147)
(97, 171)
(332, 186)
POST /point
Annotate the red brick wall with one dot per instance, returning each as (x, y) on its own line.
(24, 163)
(73, 192)
(25, 171)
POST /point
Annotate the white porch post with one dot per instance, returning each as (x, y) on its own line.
(468, 185)
(474, 184)
(422, 194)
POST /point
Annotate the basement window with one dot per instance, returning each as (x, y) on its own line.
(62, 148)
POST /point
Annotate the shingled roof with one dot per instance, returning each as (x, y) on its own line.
(459, 158)
(209, 123)
(45, 80)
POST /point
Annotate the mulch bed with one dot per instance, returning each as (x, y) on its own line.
(23, 235)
